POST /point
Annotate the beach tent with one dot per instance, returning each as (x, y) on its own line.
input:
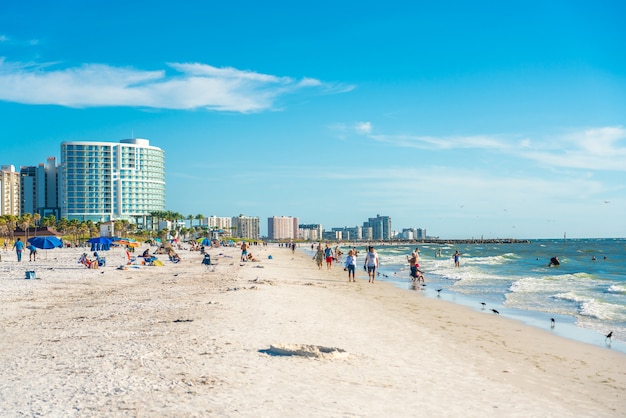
(100, 243)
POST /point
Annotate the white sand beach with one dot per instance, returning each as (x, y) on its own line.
(277, 338)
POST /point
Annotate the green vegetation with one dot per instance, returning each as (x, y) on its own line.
(76, 232)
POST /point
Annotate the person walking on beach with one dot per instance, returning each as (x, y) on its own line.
(328, 253)
(457, 259)
(319, 257)
(19, 247)
(371, 263)
(351, 265)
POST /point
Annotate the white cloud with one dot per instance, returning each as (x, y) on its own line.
(194, 85)
(363, 128)
(594, 149)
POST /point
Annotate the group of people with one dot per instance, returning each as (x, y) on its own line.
(19, 247)
(414, 265)
(329, 255)
(92, 263)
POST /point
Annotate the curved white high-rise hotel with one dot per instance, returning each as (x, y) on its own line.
(105, 181)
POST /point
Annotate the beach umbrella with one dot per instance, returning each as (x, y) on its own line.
(205, 242)
(46, 243)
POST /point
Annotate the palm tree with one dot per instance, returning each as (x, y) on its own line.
(190, 218)
(49, 220)
(4, 230)
(199, 217)
(25, 222)
(36, 221)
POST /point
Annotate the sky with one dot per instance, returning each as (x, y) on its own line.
(468, 119)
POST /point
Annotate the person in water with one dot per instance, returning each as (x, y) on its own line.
(554, 261)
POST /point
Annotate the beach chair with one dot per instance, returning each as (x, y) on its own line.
(207, 262)
(102, 261)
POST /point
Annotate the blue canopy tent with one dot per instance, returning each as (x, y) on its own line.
(100, 243)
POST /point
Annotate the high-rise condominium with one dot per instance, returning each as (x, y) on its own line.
(9, 191)
(104, 181)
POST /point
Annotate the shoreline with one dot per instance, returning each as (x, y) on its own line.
(179, 340)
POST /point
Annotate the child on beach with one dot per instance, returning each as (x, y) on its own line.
(351, 266)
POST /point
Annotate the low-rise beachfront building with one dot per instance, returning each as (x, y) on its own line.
(9, 191)
(219, 223)
(105, 181)
(332, 236)
(246, 227)
(284, 227)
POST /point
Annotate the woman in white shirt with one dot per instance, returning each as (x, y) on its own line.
(371, 263)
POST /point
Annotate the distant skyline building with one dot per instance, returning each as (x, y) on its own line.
(9, 191)
(381, 228)
(104, 181)
(40, 189)
(350, 233)
(284, 227)
(311, 232)
(246, 227)
(220, 223)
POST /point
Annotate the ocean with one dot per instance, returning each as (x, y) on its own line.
(585, 294)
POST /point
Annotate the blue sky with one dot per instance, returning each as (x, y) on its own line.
(469, 119)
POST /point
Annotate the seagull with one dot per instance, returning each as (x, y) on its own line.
(609, 336)
(495, 312)
(439, 292)
(483, 303)
(552, 322)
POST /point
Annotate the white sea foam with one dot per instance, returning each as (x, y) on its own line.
(573, 297)
(617, 289)
(603, 311)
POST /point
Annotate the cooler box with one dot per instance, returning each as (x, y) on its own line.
(31, 275)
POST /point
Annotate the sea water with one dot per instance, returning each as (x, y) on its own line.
(585, 294)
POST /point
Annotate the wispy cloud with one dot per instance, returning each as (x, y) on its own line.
(601, 148)
(424, 141)
(595, 149)
(191, 86)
